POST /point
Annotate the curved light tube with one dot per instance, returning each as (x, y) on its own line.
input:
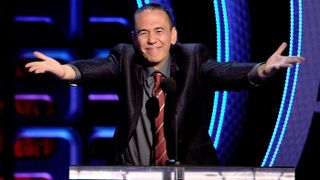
(289, 86)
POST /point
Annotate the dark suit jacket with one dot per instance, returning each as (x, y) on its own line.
(187, 110)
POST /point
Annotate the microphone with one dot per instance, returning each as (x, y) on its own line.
(152, 107)
(168, 85)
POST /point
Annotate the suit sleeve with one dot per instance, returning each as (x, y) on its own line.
(229, 75)
(98, 70)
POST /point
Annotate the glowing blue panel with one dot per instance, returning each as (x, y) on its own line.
(51, 132)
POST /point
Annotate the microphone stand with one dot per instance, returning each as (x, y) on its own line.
(178, 170)
(168, 85)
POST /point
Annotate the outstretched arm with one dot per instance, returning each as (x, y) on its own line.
(48, 64)
(276, 62)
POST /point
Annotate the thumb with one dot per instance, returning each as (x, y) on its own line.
(42, 56)
(281, 48)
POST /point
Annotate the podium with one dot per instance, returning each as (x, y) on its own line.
(180, 173)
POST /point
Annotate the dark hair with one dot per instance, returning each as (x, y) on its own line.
(155, 6)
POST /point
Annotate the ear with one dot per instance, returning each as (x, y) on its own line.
(134, 38)
(174, 35)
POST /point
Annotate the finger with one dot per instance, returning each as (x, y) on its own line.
(38, 71)
(298, 57)
(281, 48)
(30, 64)
(286, 65)
(32, 69)
(42, 56)
(294, 60)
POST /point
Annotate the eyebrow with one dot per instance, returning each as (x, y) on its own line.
(140, 31)
(157, 28)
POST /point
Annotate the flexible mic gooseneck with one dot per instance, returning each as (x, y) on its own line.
(169, 85)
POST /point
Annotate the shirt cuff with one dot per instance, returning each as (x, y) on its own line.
(254, 77)
(78, 75)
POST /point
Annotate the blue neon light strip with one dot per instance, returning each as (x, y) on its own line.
(45, 132)
(31, 175)
(55, 53)
(221, 119)
(75, 21)
(41, 97)
(102, 132)
(214, 112)
(217, 95)
(75, 101)
(226, 31)
(218, 29)
(103, 97)
(44, 19)
(294, 85)
(109, 19)
(139, 3)
(227, 52)
(289, 87)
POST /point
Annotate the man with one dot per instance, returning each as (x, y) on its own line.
(187, 108)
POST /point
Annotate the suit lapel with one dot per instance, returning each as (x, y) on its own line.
(137, 78)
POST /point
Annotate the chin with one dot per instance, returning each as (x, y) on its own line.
(154, 60)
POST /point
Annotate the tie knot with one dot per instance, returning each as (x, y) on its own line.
(156, 88)
(157, 77)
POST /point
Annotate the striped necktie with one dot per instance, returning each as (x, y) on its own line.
(160, 147)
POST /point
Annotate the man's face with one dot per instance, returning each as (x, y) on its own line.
(153, 36)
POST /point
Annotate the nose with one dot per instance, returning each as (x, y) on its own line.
(151, 38)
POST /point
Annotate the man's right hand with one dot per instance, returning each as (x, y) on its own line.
(50, 65)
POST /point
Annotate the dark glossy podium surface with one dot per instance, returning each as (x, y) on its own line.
(180, 172)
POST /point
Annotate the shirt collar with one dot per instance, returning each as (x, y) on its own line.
(165, 71)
